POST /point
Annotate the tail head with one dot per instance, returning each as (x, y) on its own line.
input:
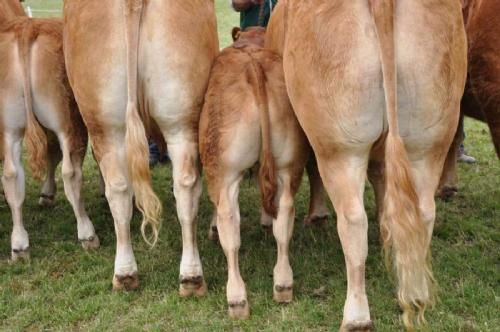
(250, 36)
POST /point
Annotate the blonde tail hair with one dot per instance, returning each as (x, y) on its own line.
(404, 234)
(135, 139)
(35, 136)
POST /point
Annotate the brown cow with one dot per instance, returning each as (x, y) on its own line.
(318, 210)
(341, 60)
(481, 99)
(133, 59)
(34, 93)
(247, 117)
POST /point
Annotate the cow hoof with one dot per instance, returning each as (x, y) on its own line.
(266, 221)
(92, 243)
(192, 286)
(213, 234)
(267, 228)
(239, 310)
(20, 255)
(316, 219)
(126, 282)
(357, 326)
(446, 193)
(47, 201)
(283, 294)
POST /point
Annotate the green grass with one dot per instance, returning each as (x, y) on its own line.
(65, 288)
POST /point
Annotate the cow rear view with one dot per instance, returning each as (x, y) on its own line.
(246, 119)
(38, 102)
(362, 116)
(131, 64)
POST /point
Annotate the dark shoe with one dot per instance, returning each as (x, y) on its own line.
(154, 154)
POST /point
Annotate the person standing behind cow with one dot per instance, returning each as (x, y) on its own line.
(250, 12)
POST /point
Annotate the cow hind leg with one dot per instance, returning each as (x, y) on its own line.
(212, 231)
(266, 221)
(427, 177)
(73, 157)
(282, 230)
(376, 178)
(344, 177)
(318, 210)
(49, 188)
(119, 195)
(228, 225)
(448, 183)
(13, 181)
(187, 191)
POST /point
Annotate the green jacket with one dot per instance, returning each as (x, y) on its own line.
(250, 17)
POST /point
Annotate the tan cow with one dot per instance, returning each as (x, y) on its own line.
(10, 9)
(133, 59)
(247, 118)
(34, 92)
(341, 60)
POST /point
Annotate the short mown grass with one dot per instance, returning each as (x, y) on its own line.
(65, 288)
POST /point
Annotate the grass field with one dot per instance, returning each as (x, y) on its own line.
(65, 288)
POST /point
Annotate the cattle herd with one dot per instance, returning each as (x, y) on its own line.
(354, 89)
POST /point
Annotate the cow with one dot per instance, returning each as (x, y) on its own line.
(481, 99)
(376, 87)
(37, 102)
(318, 211)
(247, 118)
(10, 9)
(134, 64)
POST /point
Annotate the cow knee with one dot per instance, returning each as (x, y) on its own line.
(286, 202)
(188, 175)
(10, 172)
(68, 172)
(118, 185)
(354, 215)
(428, 213)
(188, 178)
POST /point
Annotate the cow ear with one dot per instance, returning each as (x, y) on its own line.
(236, 33)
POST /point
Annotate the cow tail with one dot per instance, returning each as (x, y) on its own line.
(404, 234)
(35, 136)
(135, 138)
(267, 172)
